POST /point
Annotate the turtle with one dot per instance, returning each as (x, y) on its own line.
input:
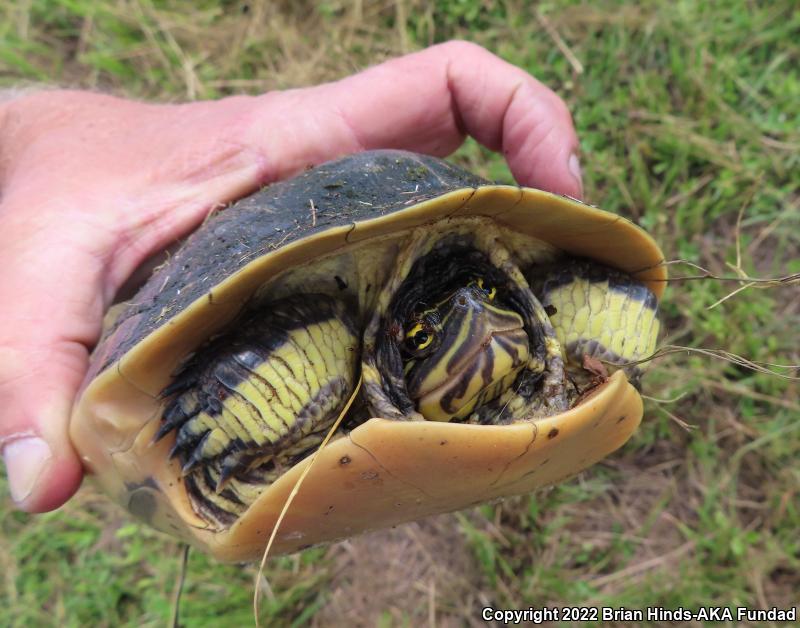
(484, 340)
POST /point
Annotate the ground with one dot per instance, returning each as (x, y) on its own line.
(687, 115)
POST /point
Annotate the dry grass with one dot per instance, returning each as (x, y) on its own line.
(419, 573)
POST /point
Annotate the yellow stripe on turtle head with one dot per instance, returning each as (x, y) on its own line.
(481, 347)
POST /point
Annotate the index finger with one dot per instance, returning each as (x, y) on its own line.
(428, 102)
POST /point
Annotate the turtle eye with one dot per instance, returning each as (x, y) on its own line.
(418, 338)
(490, 290)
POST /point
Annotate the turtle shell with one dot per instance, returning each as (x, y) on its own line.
(383, 472)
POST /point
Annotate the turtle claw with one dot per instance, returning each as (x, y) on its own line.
(176, 414)
(189, 466)
(180, 385)
(197, 456)
(185, 439)
(225, 474)
(174, 450)
(165, 429)
(233, 464)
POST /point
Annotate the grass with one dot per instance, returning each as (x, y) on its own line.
(686, 114)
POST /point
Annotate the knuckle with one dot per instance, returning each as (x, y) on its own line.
(462, 47)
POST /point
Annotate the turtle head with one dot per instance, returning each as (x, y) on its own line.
(463, 352)
(457, 335)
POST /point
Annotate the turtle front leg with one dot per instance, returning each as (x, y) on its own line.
(252, 402)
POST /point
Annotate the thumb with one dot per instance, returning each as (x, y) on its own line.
(50, 313)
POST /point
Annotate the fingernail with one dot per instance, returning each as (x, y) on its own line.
(25, 459)
(574, 166)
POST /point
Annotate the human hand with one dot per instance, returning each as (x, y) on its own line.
(91, 186)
